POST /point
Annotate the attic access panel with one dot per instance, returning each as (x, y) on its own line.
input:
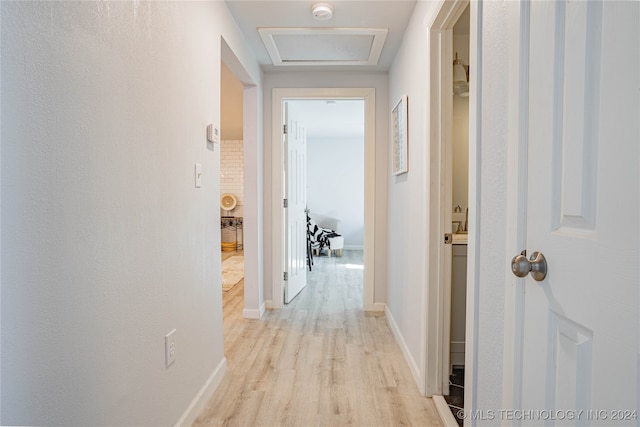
(323, 46)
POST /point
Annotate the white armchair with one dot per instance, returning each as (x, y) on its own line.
(326, 221)
(333, 244)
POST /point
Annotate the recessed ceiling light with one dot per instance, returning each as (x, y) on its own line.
(322, 11)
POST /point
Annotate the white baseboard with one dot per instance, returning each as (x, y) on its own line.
(253, 313)
(203, 396)
(376, 306)
(268, 304)
(445, 413)
(413, 366)
(456, 353)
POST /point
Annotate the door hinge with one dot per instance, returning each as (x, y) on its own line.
(285, 129)
(448, 238)
(285, 203)
(286, 276)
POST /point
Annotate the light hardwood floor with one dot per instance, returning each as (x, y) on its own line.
(320, 361)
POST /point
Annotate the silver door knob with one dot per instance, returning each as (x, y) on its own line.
(536, 265)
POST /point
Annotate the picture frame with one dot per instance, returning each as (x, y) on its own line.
(399, 141)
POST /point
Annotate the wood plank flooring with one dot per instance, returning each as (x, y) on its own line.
(320, 361)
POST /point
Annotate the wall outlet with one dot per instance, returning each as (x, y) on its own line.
(170, 348)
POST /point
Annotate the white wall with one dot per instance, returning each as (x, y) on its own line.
(106, 244)
(488, 181)
(378, 81)
(231, 89)
(461, 44)
(460, 154)
(335, 183)
(408, 205)
(460, 132)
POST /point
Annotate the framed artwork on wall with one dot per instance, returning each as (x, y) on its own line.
(399, 141)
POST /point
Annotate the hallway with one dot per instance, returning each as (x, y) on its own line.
(320, 361)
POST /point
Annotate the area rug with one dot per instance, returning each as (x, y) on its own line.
(232, 271)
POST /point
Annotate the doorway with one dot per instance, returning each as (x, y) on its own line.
(447, 127)
(368, 96)
(334, 140)
(231, 189)
(459, 171)
(250, 231)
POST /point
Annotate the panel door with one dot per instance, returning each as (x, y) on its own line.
(579, 325)
(296, 194)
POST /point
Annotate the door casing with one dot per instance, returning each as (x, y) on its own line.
(437, 304)
(295, 217)
(253, 229)
(278, 96)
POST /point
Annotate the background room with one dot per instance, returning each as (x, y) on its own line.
(335, 169)
(231, 186)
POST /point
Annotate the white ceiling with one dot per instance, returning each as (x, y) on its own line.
(345, 118)
(393, 15)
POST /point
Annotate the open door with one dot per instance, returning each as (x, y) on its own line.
(577, 327)
(295, 203)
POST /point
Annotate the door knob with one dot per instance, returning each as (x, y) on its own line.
(536, 265)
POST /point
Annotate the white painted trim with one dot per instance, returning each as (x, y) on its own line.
(475, 194)
(200, 400)
(253, 228)
(368, 95)
(516, 201)
(353, 247)
(268, 304)
(378, 306)
(443, 410)
(267, 36)
(413, 366)
(446, 195)
(0, 230)
(254, 313)
(438, 161)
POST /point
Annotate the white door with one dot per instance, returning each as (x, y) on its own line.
(577, 330)
(295, 217)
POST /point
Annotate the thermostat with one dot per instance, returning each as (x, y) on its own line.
(213, 134)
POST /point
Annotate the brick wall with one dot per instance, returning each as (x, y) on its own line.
(232, 169)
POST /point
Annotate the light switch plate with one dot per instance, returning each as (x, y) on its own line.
(198, 175)
(170, 348)
(210, 133)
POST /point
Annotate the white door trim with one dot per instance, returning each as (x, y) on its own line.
(368, 95)
(475, 194)
(438, 298)
(253, 229)
(517, 190)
